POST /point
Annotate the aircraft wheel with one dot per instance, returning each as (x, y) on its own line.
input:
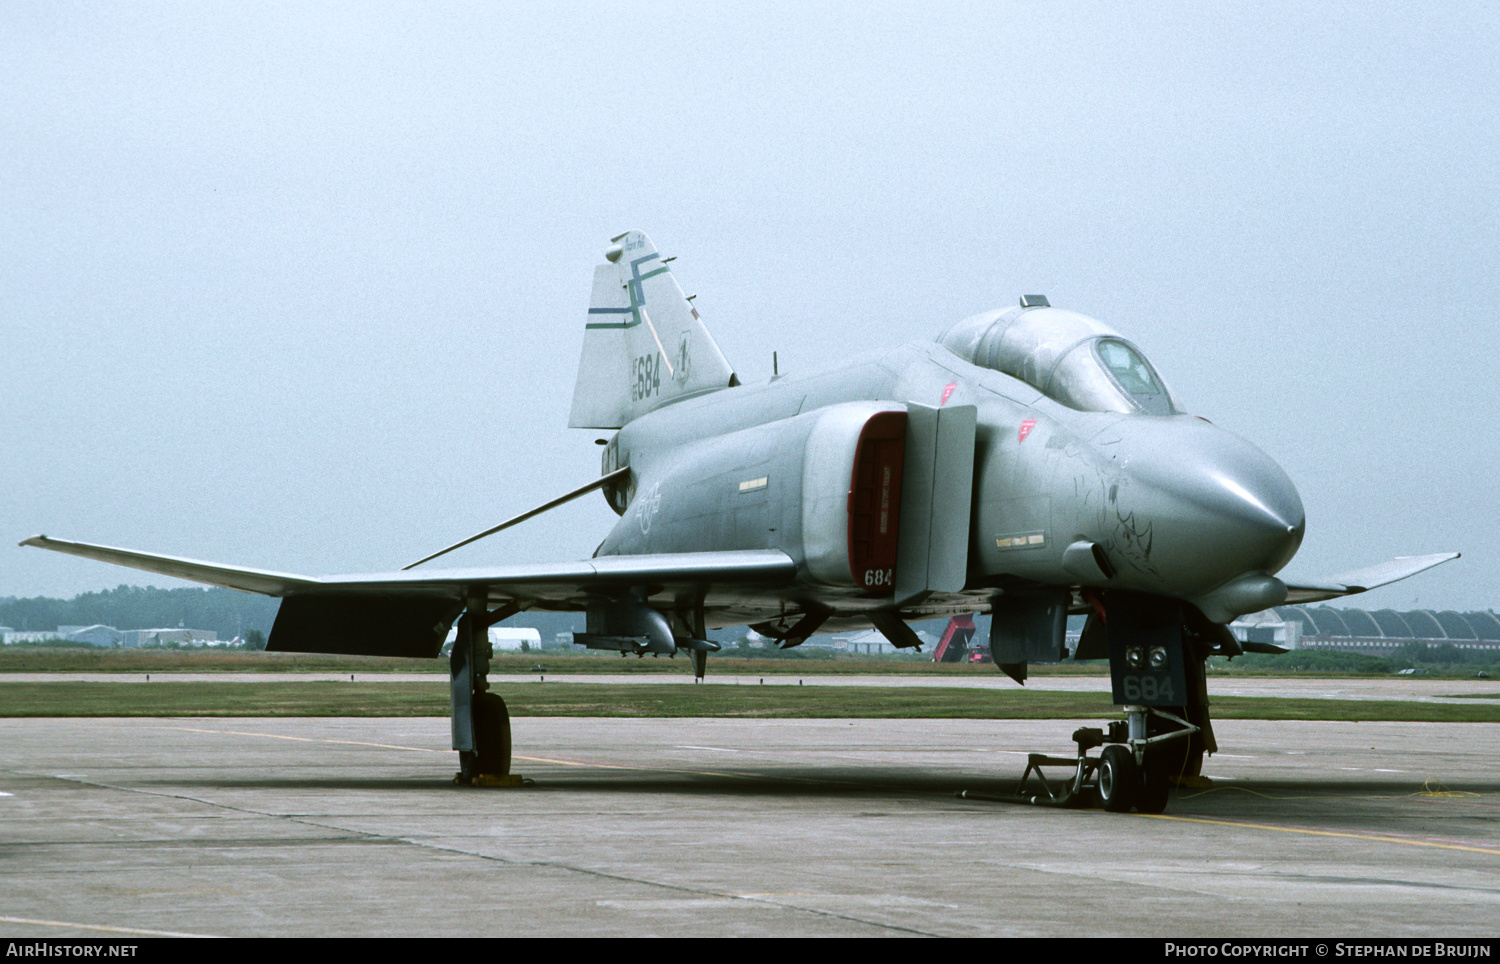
(1118, 778)
(491, 735)
(1156, 783)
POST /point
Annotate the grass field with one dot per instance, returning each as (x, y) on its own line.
(15, 659)
(298, 698)
(28, 659)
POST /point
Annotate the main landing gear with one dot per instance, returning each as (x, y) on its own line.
(481, 722)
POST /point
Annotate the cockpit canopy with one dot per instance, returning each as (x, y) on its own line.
(1068, 357)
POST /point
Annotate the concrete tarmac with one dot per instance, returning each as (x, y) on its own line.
(117, 827)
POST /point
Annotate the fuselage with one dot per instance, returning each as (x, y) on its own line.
(1166, 504)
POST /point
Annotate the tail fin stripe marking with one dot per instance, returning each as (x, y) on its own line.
(612, 324)
(637, 300)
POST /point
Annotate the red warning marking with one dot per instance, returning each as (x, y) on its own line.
(947, 393)
(1092, 598)
(1026, 428)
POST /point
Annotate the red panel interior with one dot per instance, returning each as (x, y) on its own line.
(875, 500)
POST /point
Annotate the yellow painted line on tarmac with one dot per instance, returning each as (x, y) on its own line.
(99, 927)
(625, 766)
(308, 739)
(569, 763)
(1374, 838)
(428, 749)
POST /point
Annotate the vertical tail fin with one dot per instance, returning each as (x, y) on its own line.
(643, 343)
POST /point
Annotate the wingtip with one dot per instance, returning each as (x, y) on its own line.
(36, 540)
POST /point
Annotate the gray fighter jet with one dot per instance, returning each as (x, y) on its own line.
(1028, 463)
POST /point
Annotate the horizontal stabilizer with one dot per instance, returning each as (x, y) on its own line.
(1362, 580)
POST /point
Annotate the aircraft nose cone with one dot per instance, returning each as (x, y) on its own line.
(1221, 506)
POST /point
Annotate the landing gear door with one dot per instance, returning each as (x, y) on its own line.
(1145, 650)
(937, 493)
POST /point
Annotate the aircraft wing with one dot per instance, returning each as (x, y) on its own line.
(1362, 580)
(408, 612)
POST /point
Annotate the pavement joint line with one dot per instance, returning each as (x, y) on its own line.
(683, 888)
(1450, 794)
(144, 932)
(426, 845)
(1369, 881)
(1204, 793)
(1374, 838)
(1361, 872)
(767, 776)
(561, 762)
(528, 759)
(428, 749)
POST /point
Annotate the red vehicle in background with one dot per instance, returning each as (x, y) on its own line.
(956, 646)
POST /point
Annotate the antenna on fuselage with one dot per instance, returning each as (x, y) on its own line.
(617, 475)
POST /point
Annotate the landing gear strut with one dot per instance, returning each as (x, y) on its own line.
(481, 721)
(1131, 772)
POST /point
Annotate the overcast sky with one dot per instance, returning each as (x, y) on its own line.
(303, 286)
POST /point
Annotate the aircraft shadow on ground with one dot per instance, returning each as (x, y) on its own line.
(1240, 799)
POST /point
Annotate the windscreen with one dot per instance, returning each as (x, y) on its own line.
(1134, 376)
(1069, 357)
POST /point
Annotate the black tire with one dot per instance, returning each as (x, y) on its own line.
(1118, 779)
(1156, 782)
(491, 735)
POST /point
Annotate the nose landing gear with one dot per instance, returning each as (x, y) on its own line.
(1133, 771)
(1157, 649)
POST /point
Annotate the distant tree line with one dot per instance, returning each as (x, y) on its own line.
(227, 612)
(1446, 658)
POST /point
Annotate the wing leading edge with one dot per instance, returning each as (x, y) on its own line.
(407, 613)
(1363, 580)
